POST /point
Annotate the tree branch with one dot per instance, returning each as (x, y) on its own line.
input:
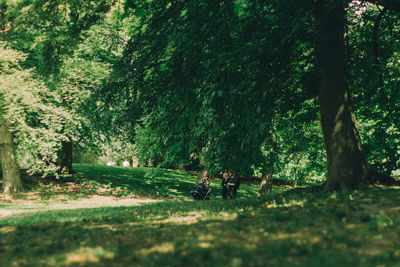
(375, 43)
(392, 5)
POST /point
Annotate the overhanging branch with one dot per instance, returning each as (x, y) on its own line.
(392, 5)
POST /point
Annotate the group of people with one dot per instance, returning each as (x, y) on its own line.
(125, 163)
(230, 184)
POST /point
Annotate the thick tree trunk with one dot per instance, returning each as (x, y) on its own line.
(266, 184)
(347, 164)
(11, 176)
(66, 157)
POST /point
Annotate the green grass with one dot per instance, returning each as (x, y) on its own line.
(358, 228)
(171, 183)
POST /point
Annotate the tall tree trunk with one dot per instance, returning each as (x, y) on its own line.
(347, 164)
(11, 176)
(266, 184)
(199, 177)
(296, 173)
(66, 157)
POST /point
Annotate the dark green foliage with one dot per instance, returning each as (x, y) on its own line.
(51, 34)
(225, 85)
(50, 30)
(233, 84)
(374, 61)
(206, 79)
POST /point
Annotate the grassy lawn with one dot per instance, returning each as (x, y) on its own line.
(359, 228)
(170, 183)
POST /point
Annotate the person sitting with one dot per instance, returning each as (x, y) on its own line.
(202, 191)
(233, 184)
(126, 163)
(224, 184)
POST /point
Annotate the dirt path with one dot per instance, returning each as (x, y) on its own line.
(14, 207)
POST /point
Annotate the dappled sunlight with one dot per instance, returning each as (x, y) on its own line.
(7, 229)
(195, 217)
(206, 238)
(294, 227)
(352, 226)
(133, 180)
(29, 206)
(88, 254)
(226, 216)
(190, 218)
(291, 203)
(378, 244)
(299, 237)
(101, 226)
(162, 248)
(79, 257)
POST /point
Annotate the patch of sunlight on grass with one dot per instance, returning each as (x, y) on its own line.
(7, 229)
(173, 190)
(101, 226)
(191, 218)
(206, 238)
(80, 257)
(300, 237)
(163, 248)
(226, 216)
(88, 254)
(291, 203)
(205, 241)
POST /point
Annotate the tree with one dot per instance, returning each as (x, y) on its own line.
(202, 84)
(27, 114)
(48, 47)
(347, 165)
(34, 108)
(210, 77)
(373, 61)
(11, 176)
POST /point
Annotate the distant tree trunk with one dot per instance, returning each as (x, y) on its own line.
(347, 164)
(66, 157)
(201, 168)
(296, 173)
(11, 176)
(200, 175)
(266, 184)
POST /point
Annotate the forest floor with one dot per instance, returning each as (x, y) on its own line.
(107, 216)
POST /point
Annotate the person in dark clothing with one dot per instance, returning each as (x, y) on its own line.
(202, 191)
(224, 184)
(233, 184)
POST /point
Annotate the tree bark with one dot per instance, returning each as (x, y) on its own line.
(11, 176)
(347, 164)
(199, 177)
(266, 184)
(66, 157)
(296, 173)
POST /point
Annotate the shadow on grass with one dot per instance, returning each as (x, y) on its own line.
(324, 230)
(170, 183)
